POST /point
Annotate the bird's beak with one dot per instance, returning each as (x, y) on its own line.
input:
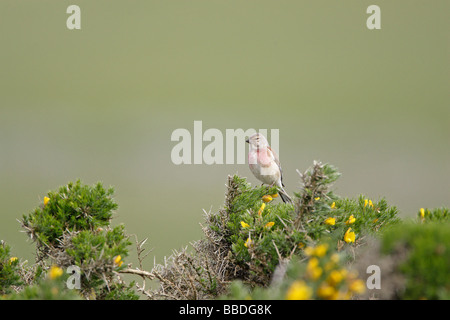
(246, 140)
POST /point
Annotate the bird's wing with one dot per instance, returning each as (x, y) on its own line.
(274, 155)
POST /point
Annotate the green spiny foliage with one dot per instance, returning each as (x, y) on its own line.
(260, 241)
(317, 181)
(73, 207)
(45, 287)
(434, 215)
(9, 270)
(72, 228)
(263, 247)
(260, 236)
(119, 291)
(98, 245)
(95, 253)
(323, 274)
(426, 262)
(363, 216)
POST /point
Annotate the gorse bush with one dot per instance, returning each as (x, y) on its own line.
(254, 247)
(263, 235)
(434, 215)
(74, 207)
(50, 286)
(9, 270)
(321, 276)
(426, 259)
(254, 237)
(72, 228)
(259, 233)
(99, 254)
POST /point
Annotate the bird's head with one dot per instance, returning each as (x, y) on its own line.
(257, 141)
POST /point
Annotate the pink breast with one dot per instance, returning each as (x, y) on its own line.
(263, 157)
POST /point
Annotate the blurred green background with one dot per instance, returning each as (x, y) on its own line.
(100, 103)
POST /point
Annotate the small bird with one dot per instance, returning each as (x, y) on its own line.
(265, 165)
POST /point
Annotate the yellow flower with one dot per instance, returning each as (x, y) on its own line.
(298, 291)
(330, 221)
(321, 250)
(274, 195)
(118, 260)
(318, 251)
(350, 220)
(261, 209)
(312, 263)
(326, 291)
(335, 277)
(55, 272)
(309, 251)
(333, 205)
(334, 258)
(267, 198)
(301, 245)
(269, 224)
(12, 259)
(317, 198)
(244, 225)
(368, 202)
(331, 264)
(46, 200)
(315, 273)
(349, 236)
(357, 286)
(248, 243)
(422, 213)
(313, 270)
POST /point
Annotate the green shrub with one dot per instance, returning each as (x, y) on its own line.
(434, 215)
(322, 276)
(73, 207)
(426, 264)
(257, 232)
(48, 286)
(99, 254)
(254, 247)
(260, 234)
(361, 216)
(72, 228)
(9, 270)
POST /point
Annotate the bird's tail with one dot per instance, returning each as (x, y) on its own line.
(284, 196)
